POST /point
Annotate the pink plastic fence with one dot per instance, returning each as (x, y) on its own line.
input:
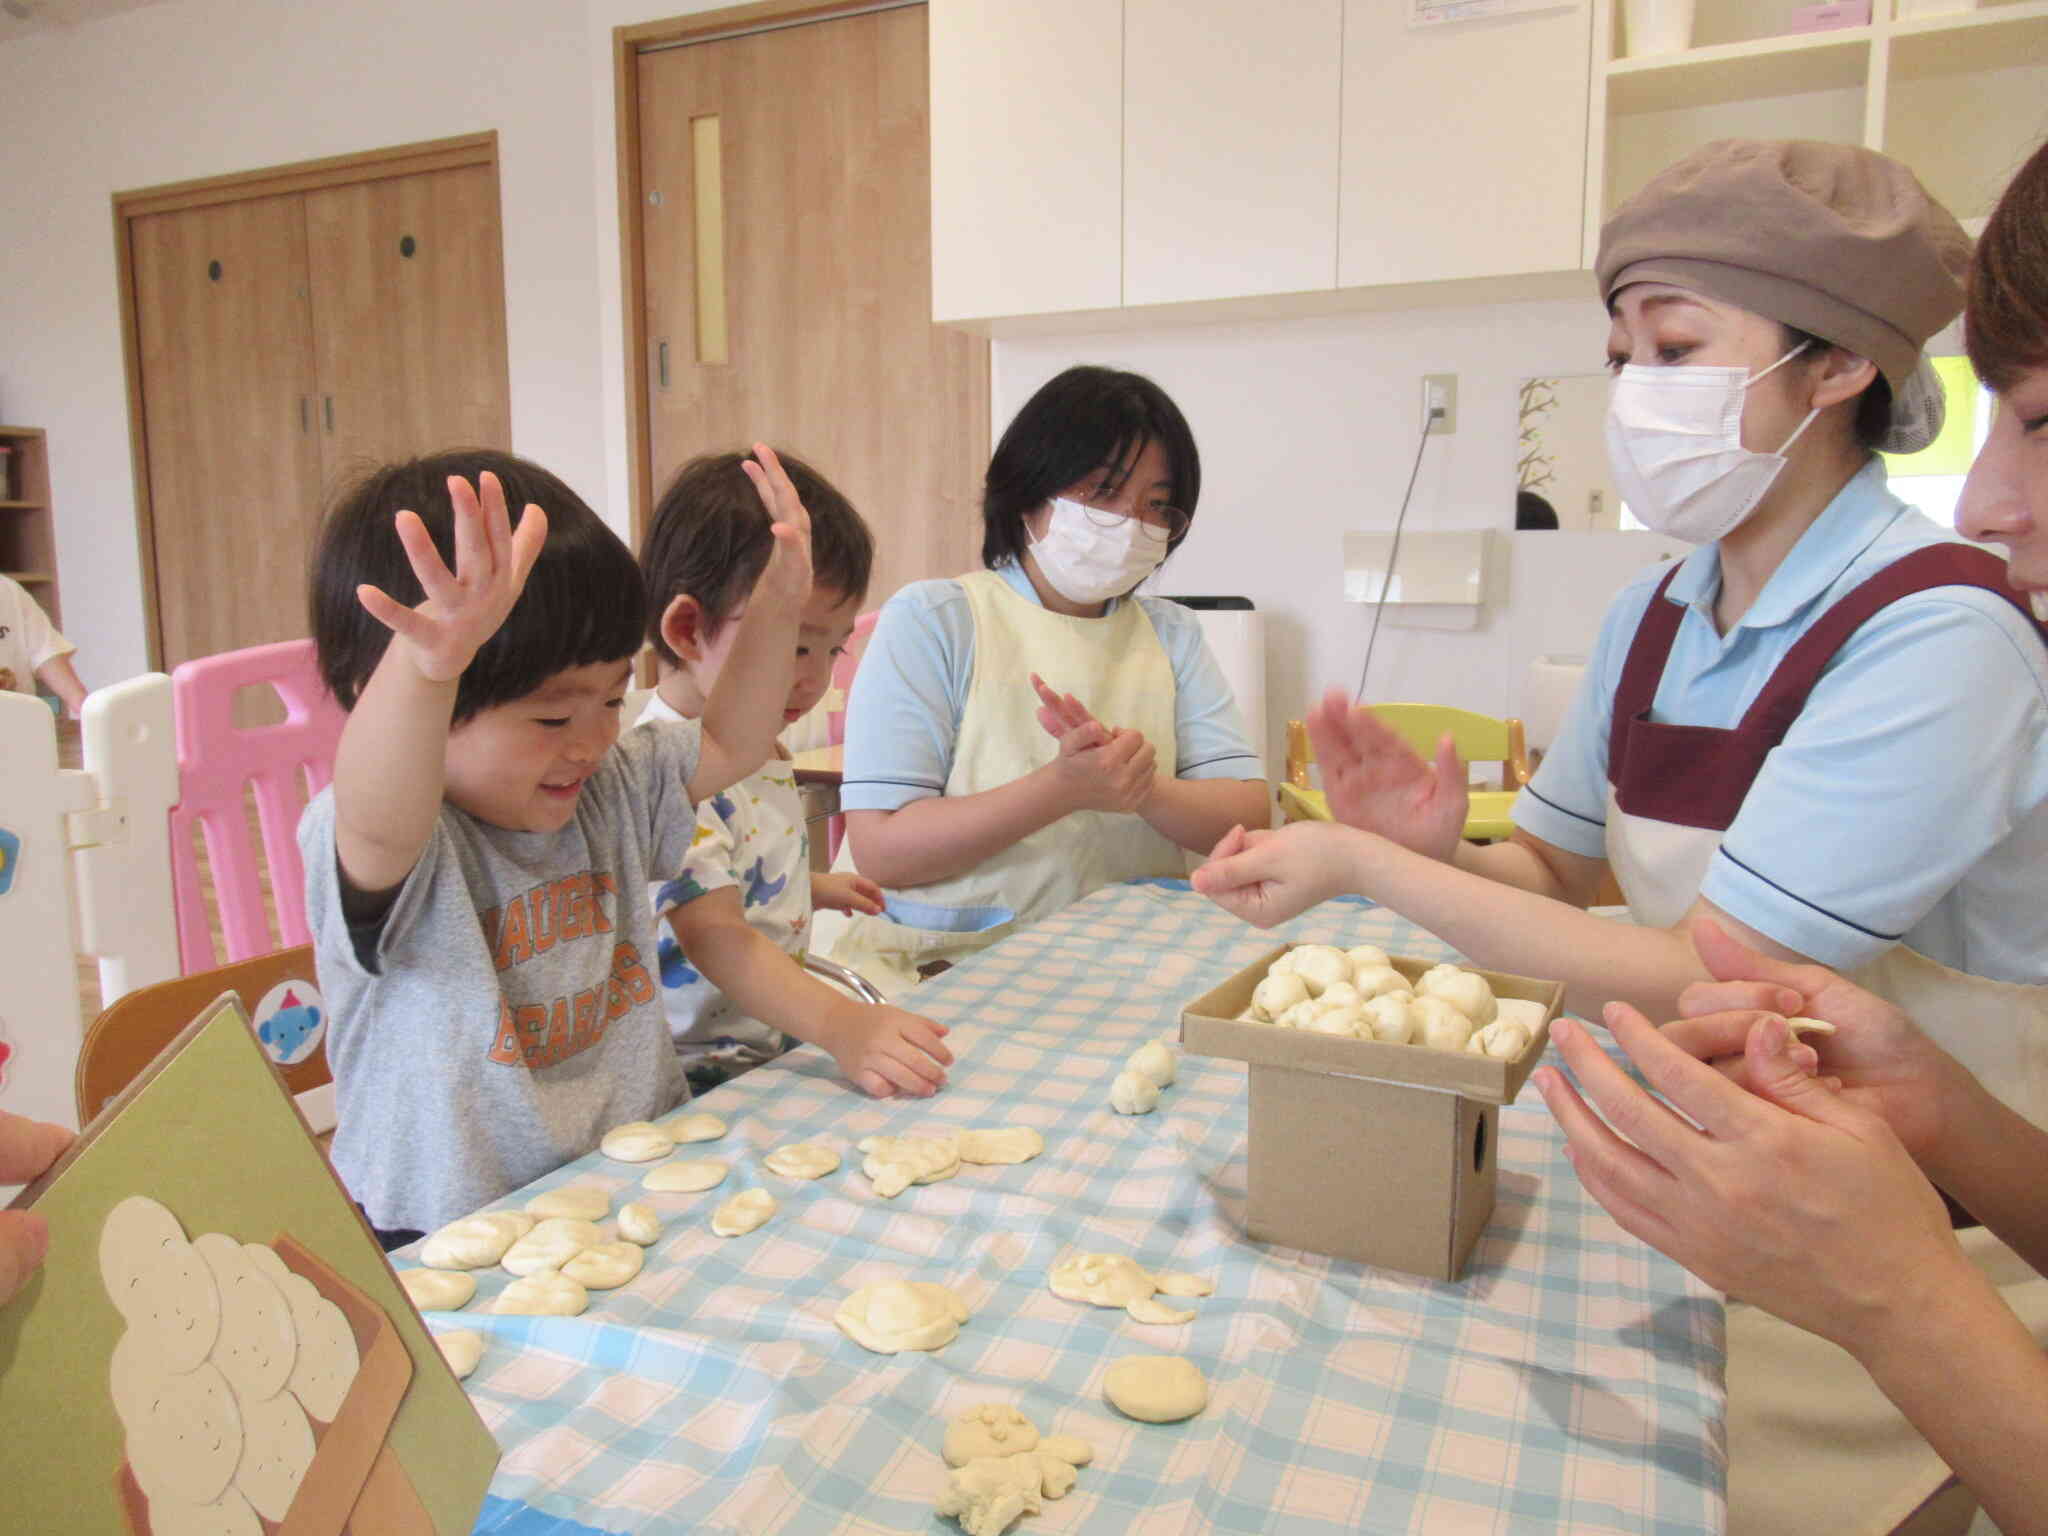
(835, 720)
(218, 764)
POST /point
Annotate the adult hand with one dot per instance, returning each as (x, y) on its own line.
(846, 893)
(1098, 769)
(463, 608)
(1791, 1197)
(27, 1148)
(885, 1050)
(1877, 1055)
(1375, 781)
(1266, 877)
(1061, 713)
(786, 579)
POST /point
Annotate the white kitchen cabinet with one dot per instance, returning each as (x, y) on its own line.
(1027, 157)
(1229, 148)
(1464, 145)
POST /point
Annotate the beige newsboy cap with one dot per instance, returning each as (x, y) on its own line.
(1836, 240)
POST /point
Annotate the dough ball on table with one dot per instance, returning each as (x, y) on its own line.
(988, 1429)
(1010, 1144)
(438, 1290)
(1320, 967)
(743, 1213)
(327, 1360)
(1276, 994)
(1380, 981)
(896, 1315)
(1158, 1389)
(277, 1448)
(228, 1515)
(605, 1266)
(1366, 957)
(686, 1177)
(1101, 1279)
(802, 1160)
(637, 1141)
(1132, 1094)
(695, 1127)
(1389, 1019)
(257, 1342)
(1155, 1061)
(183, 1430)
(461, 1348)
(159, 1283)
(475, 1242)
(1440, 1025)
(552, 1244)
(639, 1224)
(544, 1293)
(581, 1202)
(894, 1163)
(1465, 991)
(1503, 1040)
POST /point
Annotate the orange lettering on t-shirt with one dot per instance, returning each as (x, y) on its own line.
(627, 967)
(572, 906)
(506, 1047)
(541, 915)
(532, 1024)
(603, 885)
(513, 944)
(583, 1031)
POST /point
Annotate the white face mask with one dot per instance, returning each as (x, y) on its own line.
(1674, 443)
(1090, 556)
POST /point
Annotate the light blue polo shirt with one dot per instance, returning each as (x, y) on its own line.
(1908, 802)
(911, 690)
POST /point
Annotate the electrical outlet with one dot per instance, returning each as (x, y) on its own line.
(1439, 403)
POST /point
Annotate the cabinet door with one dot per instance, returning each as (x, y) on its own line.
(1027, 156)
(408, 291)
(1464, 145)
(226, 359)
(1230, 148)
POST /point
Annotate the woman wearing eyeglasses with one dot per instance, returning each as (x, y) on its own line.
(1022, 736)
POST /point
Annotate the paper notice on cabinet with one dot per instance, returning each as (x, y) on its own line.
(1435, 13)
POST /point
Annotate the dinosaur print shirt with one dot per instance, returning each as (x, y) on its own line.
(751, 837)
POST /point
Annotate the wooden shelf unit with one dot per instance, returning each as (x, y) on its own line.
(28, 534)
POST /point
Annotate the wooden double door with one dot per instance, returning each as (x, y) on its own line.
(284, 341)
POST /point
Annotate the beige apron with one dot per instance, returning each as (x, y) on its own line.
(1813, 1446)
(1117, 667)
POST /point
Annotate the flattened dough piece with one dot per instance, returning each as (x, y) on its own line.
(1071, 1449)
(896, 1315)
(1148, 1309)
(743, 1213)
(475, 1242)
(552, 1244)
(637, 1141)
(695, 1127)
(990, 1492)
(544, 1293)
(582, 1202)
(1158, 1389)
(988, 1429)
(686, 1178)
(1174, 1282)
(1010, 1144)
(605, 1266)
(438, 1290)
(803, 1160)
(461, 1348)
(638, 1223)
(1101, 1279)
(894, 1163)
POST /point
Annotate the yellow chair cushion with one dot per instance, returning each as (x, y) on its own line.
(1487, 815)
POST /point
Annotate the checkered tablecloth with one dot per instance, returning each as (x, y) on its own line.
(1571, 1381)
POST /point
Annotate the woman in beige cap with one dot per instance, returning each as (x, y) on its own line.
(1803, 1195)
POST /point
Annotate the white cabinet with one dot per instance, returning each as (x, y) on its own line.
(1464, 145)
(1027, 157)
(1229, 148)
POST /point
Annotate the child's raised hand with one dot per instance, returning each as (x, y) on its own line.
(786, 579)
(846, 893)
(886, 1050)
(463, 608)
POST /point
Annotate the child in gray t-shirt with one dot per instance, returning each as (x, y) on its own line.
(477, 875)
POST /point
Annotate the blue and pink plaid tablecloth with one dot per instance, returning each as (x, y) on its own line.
(1571, 1381)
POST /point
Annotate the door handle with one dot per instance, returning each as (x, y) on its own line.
(305, 414)
(327, 403)
(661, 364)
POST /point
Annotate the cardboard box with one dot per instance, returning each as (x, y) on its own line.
(1385, 1154)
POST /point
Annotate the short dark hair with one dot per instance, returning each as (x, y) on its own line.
(2005, 322)
(583, 601)
(1077, 423)
(709, 540)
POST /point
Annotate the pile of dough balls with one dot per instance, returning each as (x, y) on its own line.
(1358, 994)
(1151, 1068)
(228, 1360)
(1000, 1468)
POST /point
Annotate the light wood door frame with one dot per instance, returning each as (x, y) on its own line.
(303, 176)
(627, 45)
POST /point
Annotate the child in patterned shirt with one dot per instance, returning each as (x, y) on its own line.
(734, 986)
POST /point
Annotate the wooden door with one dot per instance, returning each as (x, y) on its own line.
(225, 352)
(786, 268)
(408, 299)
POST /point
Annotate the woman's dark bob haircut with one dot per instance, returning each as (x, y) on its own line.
(582, 604)
(1082, 422)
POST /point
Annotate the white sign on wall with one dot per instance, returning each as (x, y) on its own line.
(1435, 13)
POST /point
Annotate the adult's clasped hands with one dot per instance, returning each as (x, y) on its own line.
(1099, 768)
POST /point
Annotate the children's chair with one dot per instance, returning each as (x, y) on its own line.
(835, 718)
(219, 762)
(1478, 738)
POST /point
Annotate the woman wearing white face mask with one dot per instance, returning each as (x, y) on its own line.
(979, 799)
(1828, 727)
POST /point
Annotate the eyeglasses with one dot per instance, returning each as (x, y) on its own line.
(1172, 519)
